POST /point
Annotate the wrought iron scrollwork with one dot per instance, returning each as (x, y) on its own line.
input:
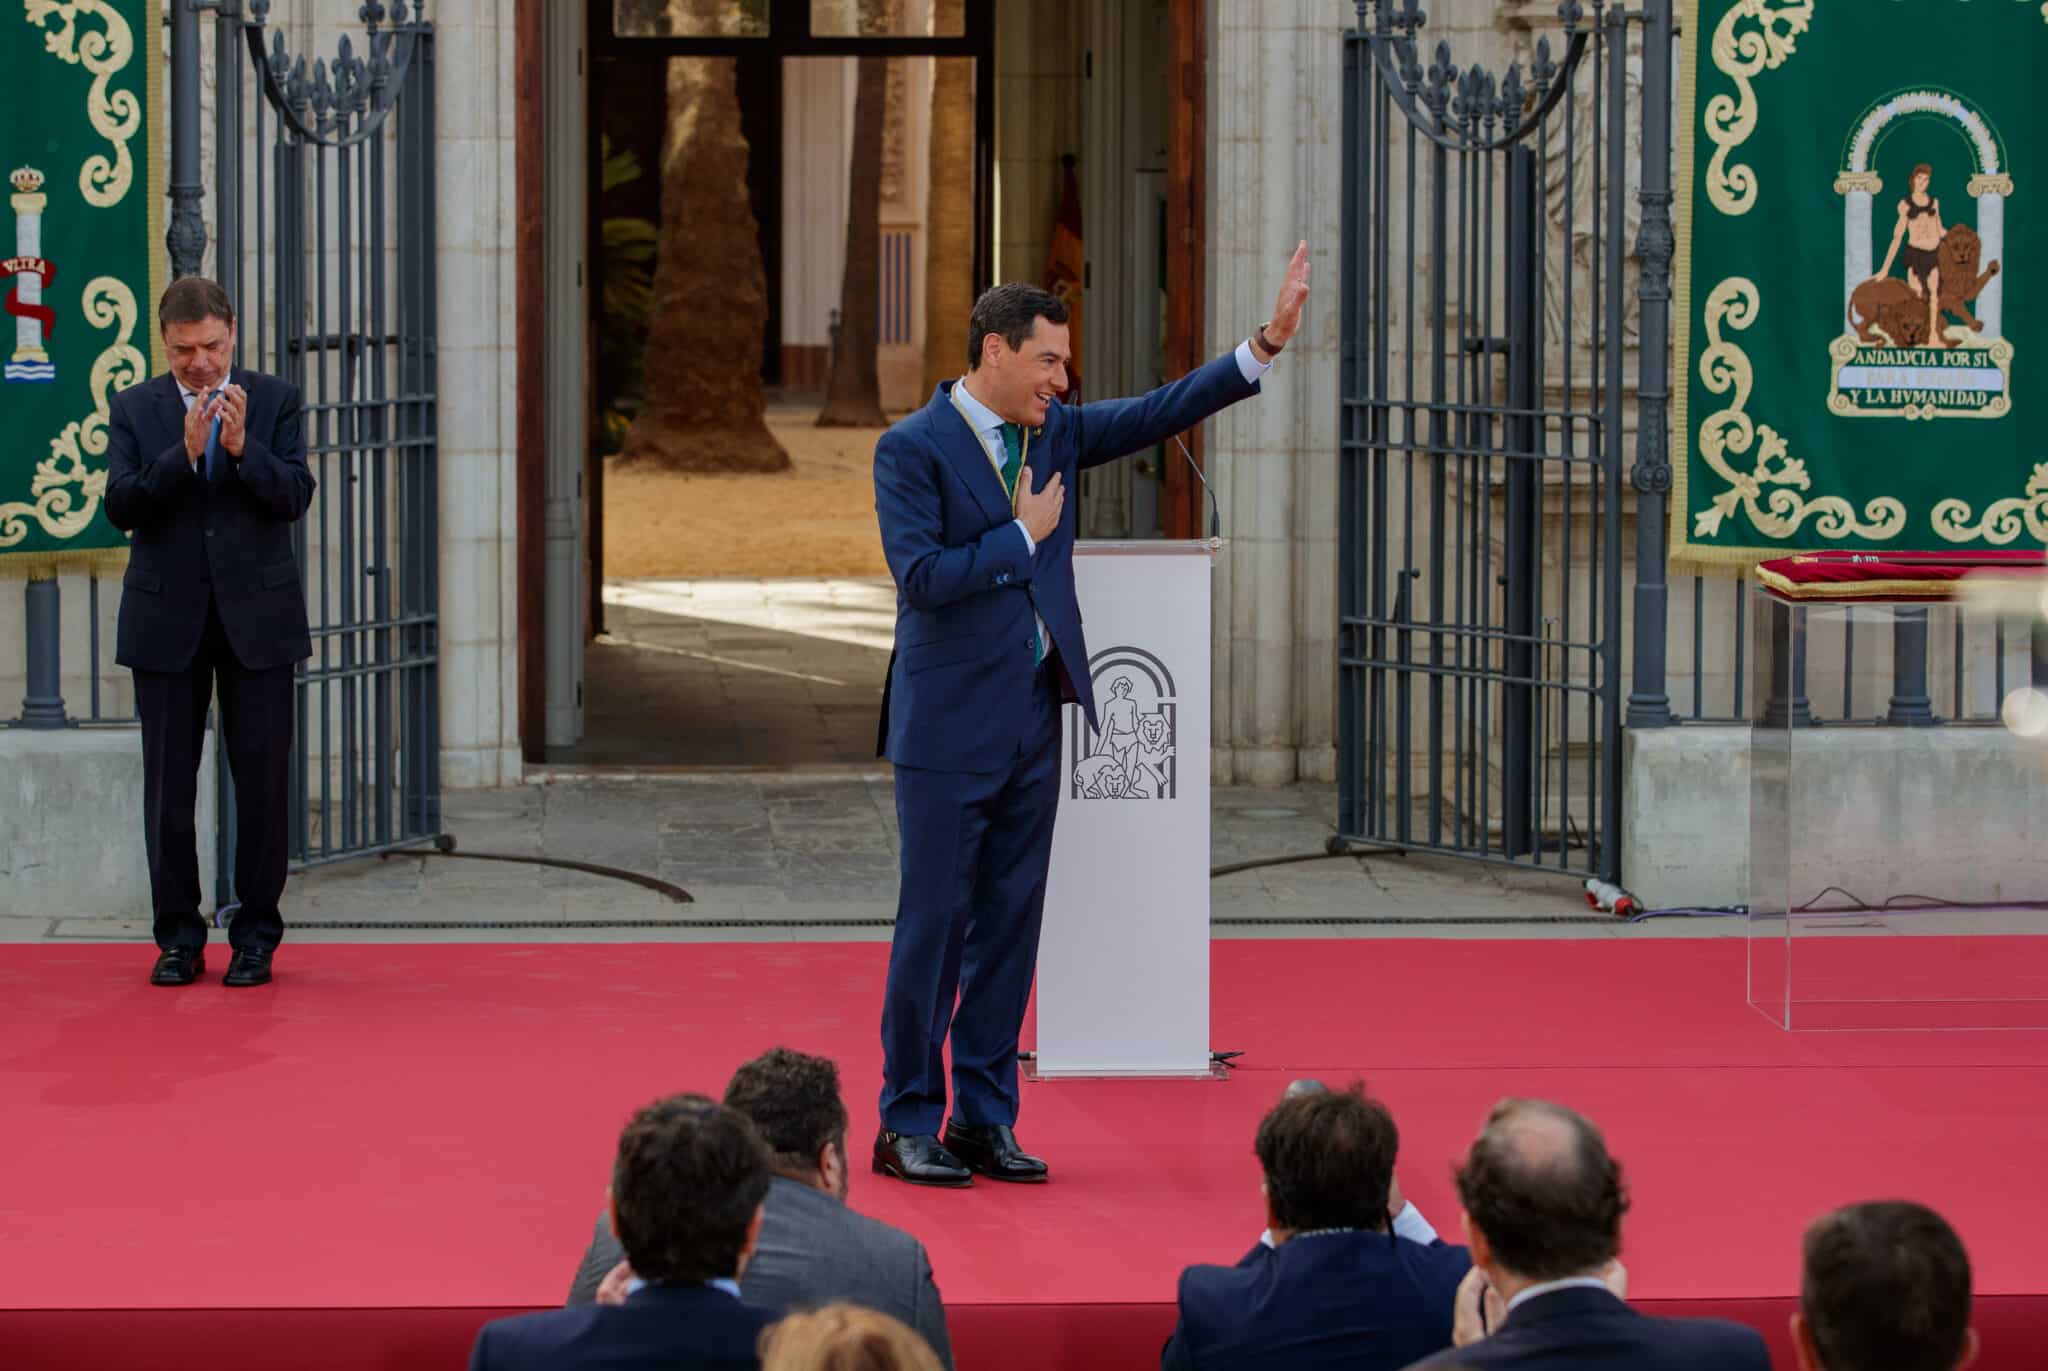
(340, 104)
(1489, 113)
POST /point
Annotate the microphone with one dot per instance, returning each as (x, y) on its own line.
(1215, 514)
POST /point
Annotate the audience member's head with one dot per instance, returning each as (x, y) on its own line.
(844, 1337)
(1328, 1157)
(1886, 1288)
(793, 1100)
(687, 1189)
(1543, 1199)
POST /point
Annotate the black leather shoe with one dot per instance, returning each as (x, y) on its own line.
(178, 966)
(251, 966)
(993, 1152)
(919, 1159)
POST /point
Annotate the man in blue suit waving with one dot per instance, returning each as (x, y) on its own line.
(970, 492)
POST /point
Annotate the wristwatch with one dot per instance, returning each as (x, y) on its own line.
(1272, 348)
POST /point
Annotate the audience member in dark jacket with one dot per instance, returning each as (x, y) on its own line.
(1349, 1276)
(1543, 1205)
(686, 1204)
(813, 1248)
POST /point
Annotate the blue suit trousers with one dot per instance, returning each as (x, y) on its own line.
(975, 849)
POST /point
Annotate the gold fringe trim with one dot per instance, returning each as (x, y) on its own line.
(41, 566)
(1787, 589)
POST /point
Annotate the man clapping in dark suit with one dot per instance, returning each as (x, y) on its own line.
(686, 1205)
(206, 470)
(1349, 1275)
(1543, 1204)
(813, 1248)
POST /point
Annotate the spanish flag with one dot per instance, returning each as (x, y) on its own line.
(1063, 265)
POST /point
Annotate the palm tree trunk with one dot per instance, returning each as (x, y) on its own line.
(853, 394)
(704, 409)
(949, 213)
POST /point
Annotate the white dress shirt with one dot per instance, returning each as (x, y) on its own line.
(1408, 1224)
(988, 426)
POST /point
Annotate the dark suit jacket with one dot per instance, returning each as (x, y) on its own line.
(192, 541)
(1582, 1329)
(679, 1328)
(814, 1249)
(1344, 1301)
(966, 583)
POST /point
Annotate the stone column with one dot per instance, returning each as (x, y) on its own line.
(1857, 189)
(1274, 179)
(1991, 192)
(474, 245)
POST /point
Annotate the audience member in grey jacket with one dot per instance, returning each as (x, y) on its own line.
(812, 1248)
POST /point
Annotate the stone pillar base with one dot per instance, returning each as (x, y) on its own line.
(71, 823)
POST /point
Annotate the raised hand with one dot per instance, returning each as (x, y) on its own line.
(1040, 509)
(1286, 316)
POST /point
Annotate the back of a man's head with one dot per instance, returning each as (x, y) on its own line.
(689, 1177)
(793, 1100)
(1539, 1184)
(1329, 1160)
(1886, 1288)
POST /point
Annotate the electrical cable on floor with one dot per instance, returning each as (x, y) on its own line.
(668, 889)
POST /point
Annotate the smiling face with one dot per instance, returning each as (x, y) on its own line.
(1020, 384)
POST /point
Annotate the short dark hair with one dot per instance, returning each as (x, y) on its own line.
(1924, 169)
(1012, 310)
(192, 300)
(690, 1174)
(1886, 1285)
(792, 1099)
(1329, 1159)
(1547, 1212)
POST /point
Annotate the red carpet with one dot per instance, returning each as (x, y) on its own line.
(356, 1166)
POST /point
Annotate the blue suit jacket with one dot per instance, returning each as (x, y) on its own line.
(191, 541)
(675, 1328)
(1345, 1301)
(966, 584)
(1582, 1329)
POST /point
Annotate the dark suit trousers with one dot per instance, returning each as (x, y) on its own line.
(975, 848)
(256, 715)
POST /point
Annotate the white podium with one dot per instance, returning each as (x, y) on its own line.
(1123, 960)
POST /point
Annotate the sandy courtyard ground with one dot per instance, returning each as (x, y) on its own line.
(816, 519)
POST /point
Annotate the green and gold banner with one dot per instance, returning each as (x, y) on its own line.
(1862, 243)
(81, 262)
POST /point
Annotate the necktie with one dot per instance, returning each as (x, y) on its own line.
(1013, 466)
(1013, 458)
(216, 463)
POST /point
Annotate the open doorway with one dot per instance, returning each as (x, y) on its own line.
(715, 594)
(741, 612)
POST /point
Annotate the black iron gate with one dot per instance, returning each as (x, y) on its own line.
(1485, 300)
(325, 238)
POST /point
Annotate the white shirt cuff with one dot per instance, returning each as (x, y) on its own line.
(1249, 366)
(1030, 545)
(1410, 1224)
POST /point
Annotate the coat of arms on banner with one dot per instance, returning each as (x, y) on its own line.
(1915, 347)
(1816, 374)
(1131, 757)
(34, 321)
